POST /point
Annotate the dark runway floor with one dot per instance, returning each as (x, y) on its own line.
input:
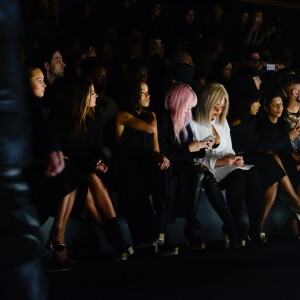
(271, 272)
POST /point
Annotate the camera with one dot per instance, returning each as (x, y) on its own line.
(271, 67)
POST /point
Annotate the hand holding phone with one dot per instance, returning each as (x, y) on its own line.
(209, 138)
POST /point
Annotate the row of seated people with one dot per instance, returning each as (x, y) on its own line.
(188, 163)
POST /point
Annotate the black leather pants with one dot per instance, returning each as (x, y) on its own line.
(219, 203)
(204, 179)
(22, 275)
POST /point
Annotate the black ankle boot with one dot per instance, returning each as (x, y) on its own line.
(114, 236)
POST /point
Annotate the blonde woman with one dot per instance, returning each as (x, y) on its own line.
(240, 181)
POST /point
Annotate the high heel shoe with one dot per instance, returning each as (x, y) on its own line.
(296, 212)
(123, 254)
(160, 240)
(53, 246)
(114, 236)
(166, 249)
(231, 244)
(163, 247)
(263, 238)
(195, 244)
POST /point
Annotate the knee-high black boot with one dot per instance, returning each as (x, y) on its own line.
(193, 224)
(218, 202)
(114, 236)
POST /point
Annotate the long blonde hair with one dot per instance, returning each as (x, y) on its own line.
(210, 94)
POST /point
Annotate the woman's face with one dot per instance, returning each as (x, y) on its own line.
(145, 96)
(275, 107)
(92, 97)
(37, 83)
(219, 107)
(254, 108)
(187, 111)
(228, 71)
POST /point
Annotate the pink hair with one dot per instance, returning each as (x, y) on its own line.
(178, 96)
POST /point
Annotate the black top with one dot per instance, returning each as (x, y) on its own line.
(176, 152)
(249, 143)
(86, 149)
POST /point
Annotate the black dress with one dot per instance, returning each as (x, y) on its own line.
(47, 192)
(245, 141)
(274, 136)
(82, 152)
(134, 170)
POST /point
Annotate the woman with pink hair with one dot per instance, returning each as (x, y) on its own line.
(177, 143)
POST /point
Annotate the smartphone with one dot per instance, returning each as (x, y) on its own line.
(271, 67)
(209, 138)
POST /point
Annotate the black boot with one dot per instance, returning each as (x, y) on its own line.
(218, 202)
(114, 236)
(193, 225)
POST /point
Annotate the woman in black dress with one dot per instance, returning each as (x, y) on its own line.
(80, 131)
(140, 169)
(54, 195)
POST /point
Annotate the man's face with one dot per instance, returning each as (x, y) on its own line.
(295, 91)
(57, 66)
(254, 60)
(99, 77)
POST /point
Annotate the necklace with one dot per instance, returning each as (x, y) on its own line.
(294, 117)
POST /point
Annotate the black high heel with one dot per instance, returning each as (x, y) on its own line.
(232, 244)
(114, 236)
(56, 248)
(195, 244)
(124, 253)
(160, 240)
(296, 212)
(163, 247)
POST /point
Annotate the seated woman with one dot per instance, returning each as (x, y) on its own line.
(54, 195)
(140, 169)
(245, 139)
(275, 137)
(241, 182)
(80, 132)
(178, 144)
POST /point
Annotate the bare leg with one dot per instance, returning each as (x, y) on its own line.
(288, 187)
(57, 232)
(268, 201)
(91, 210)
(62, 216)
(101, 197)
(100, 208)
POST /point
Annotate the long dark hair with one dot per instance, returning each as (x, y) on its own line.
(76, 107)
(132, 96)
